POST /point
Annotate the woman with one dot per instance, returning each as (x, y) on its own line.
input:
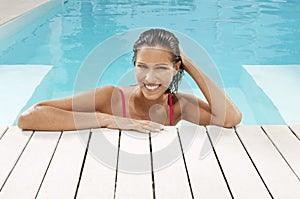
(146, 107)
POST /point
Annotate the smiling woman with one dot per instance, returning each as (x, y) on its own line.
(146, 107)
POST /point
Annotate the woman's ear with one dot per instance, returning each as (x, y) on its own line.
(177, 66)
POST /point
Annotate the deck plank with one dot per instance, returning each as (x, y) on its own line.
(277, 175)
(11, 146)
(170, 176)
(28, 173)
(2, 130)
(242, 177)
(98, 177)
(296, 130)
(204, 172)
(63, 174)
(134, 170)
(287, 143)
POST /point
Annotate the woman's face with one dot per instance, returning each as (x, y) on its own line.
(154, 71)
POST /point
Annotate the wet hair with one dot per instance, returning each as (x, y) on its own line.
(165, 39)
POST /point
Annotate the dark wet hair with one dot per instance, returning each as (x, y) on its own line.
(165, 39)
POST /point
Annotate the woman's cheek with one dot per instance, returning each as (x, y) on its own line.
(167, 79)
(139, 76)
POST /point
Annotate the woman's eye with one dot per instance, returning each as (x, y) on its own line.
(142, 66)
(163, 68)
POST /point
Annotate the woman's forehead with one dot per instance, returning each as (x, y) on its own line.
(153, 55)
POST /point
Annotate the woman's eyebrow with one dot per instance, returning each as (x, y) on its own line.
(140, 63)
(158, 64)
(164, 64)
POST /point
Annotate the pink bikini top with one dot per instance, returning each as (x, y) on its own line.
(169, 101)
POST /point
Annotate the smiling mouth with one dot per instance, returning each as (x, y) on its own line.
(152, 87)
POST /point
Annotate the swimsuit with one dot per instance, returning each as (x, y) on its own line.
(169, 102)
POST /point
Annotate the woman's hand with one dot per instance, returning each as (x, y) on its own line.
(186, 61)
(143, 126)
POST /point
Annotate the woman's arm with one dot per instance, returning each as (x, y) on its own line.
(86, 110)
(42, 117)
(76, 112)
(55, 119)
(220, 110)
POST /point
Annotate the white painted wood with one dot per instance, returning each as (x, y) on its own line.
(2, 130)
(134, 169)
(243, 180)
(170, 176)
(11, 146)
(28, 173)
(63, 174)
(275, 172)
(98, 177)
(287, 143)
(296, 129)
(205, 175)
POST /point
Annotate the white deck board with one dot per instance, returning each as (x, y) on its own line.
(29, 172)
(287, 143)
(296, 129)
(244, 181)
(202, 164)
(57, 165)
(63, 174)
(2, 130)
(11, 146)
(98, 177)
(277, 175)
(170, 177)
(134, 169)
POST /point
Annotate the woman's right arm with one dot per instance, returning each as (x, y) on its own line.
(54, 119)
(91, 109)
(77, 112)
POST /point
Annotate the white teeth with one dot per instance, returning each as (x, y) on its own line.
(152, 87)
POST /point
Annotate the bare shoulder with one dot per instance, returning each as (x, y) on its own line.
(103, 97)
(107, 97)
(186, 98)
(191, 102)
(105, 90)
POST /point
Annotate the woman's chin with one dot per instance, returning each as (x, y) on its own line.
(150, 95)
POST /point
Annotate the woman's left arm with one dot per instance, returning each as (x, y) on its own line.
(222, 110)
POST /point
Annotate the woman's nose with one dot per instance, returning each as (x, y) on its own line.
(151, 76)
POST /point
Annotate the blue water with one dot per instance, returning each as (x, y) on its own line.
(251, 32)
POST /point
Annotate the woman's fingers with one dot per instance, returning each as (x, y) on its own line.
(144, 126)
(151, 126)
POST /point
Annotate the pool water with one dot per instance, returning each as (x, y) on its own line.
(234, 33)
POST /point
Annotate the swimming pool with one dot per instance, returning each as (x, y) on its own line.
(234, 33)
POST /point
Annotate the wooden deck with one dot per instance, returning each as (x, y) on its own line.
(184, 162)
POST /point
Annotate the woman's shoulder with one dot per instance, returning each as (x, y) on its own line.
(111, 91)
(103, 93)
(183, 96)
(187, 98)
(108, 90)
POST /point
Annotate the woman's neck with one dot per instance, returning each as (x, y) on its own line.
(143, 108)
(140, 100)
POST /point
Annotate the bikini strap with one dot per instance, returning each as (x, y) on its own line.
(171, 108)
(123, 101)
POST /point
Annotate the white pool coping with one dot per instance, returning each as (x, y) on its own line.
(16, 14)
(11, 9)
(281, 83)
(17, 84)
